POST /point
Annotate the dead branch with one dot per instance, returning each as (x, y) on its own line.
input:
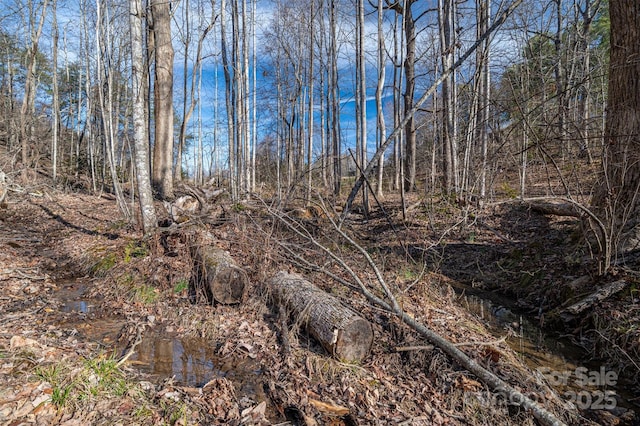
(414, 348)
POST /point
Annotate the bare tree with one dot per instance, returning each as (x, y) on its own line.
(35, 31)
(55, 102)
(405, 9)
(361, 99)
(334, 100)
(229, 99)
(428, 93)
(143, 176)
(107, 98)
(189, 83)
(163, 99)
(381, 129)
(446, 15)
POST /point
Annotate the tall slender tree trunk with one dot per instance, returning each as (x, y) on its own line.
(409, 94)
(105, 83)
(310, 106)
(246, 130)
(381, 129)
(55, 97)
(336, 147)
(163, 99)
(29, 82)
(361, 103)
(397, 84)
(560, 83)
(254, 108)
(446, 13)
(188, 101)
(229, 100)
(141, 139)
(485, 96)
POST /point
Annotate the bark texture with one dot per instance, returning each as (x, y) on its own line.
(221, 277)
(601, 294)
(141, 137)
(618, 199)
(163, 100)
(342, 332)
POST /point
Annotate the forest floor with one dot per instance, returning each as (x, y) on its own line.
(98, 327)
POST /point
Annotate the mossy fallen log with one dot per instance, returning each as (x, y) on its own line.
(217, 273)
(342, 332)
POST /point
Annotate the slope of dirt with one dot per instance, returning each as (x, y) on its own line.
(81, 293)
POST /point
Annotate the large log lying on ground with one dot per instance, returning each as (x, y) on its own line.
(601, 294)
(221, 277)
(337, 328)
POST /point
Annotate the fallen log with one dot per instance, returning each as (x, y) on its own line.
(193, 202)
(598, 296)
(223, 280)
(342, 332)
(555, 208)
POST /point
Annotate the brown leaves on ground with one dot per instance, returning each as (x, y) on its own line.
(133, 288)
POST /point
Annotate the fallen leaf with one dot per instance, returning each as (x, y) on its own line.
(20, 342)
(468, 384)
(328, 408)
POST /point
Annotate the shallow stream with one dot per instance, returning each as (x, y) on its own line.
(566, 366)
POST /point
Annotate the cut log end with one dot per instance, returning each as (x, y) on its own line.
(229, 285)
(354, 341)
(223, 280)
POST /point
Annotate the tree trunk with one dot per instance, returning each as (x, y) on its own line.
(409, 95)
(217, 274)
(338, 329)
(618, 200)
(446, 14)
(381, 129)
(229, 95)
(29, 87)
(336, 146)
(55, 102)
(163, 99)
(141, 139)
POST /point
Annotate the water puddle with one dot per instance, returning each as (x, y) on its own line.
(194, 362)
(190, 361)
(71, 296)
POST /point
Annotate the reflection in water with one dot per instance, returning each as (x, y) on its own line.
(193, 362)
(71, 295)
(551, 355)
(167, 357)
(81, 306)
